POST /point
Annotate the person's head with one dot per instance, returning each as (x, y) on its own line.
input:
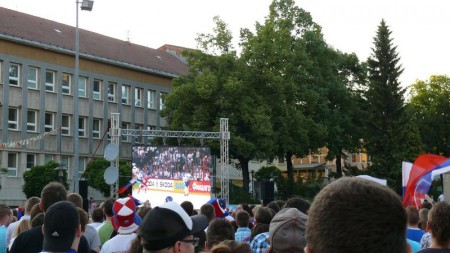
(143, 210)
(76, 199)
(61, 227)
(84, 218)
(296, 202)
(280, 203)
(426, 204)
(231, 246)
(351, 210)
(219, 230)
(242, 218)
(188, 207)
(287, 231)
(107, 207)
(263, 215)
(245, 207)
(259, 228)
(125, 219)
(423, 218)
(273, 205)
(169, 228)
(53, 192)
(208, 210)
(97, 215)
(412, 215)
(35, 210)
(30, 203)
(6, 215)
(23, 226)
(37, 220)
(439, 223)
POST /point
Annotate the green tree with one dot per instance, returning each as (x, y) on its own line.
(430, 106)
(389, 135)
(38, 176)
(272, 173)
(94, 174)
(217, 86)
(281, 64)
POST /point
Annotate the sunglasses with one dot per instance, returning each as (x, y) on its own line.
(193, 241)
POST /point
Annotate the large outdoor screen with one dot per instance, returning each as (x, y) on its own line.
(177, 173)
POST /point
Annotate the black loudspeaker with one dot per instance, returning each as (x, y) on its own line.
(83, 190)
(265, 191)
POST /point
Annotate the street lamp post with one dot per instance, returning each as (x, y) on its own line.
(86, 5)
(60, 169)
(252, 172)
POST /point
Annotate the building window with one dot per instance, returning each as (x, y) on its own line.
(48, 158)
(125, 94)
(65, 161)
(12, 164)
(32, 78)
(81, 165)
(31, 161)
(82, 85)
(111, 92)
(125, 126)
(97, 90)
(50, 80)
(31, 121)
(65, 125)
(161, 100)
(13, 119)
(151, 99)
(96, 127)
(14, 74)
(82, 127)
(66, 84)
(49, 122)
(138, 97)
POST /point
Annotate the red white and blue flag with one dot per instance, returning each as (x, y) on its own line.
(421, 175)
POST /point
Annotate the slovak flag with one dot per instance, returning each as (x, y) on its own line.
(424, 169)
(220, 212)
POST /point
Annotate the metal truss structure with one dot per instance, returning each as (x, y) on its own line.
(224, 136)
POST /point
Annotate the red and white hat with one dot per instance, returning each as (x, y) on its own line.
(125, 219)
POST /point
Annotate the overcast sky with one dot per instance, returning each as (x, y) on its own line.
(419, 28)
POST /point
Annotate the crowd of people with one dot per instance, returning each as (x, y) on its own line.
(348, 215)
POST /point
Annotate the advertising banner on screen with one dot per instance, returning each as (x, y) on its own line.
(183, 173)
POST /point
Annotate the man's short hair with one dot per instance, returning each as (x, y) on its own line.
(355, 215)
(76, 199)
(242, 218)
(263, 215)
(219, 230)
(84, 218)
(273, 205)
(188, 207)
(35, 210)
(30, 203)
(208, 210)
(108, 207)
(412, 215)
(439, 222)
(5, 211)
(301, 204)
(97, 215)
(53, 192)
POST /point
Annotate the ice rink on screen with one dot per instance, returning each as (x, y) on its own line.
(158, 197)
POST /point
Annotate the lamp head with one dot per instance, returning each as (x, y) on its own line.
(87, 5)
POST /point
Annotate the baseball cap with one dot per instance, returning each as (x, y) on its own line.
(60, 224)
(168, 223)
(287, 231)
(125, 219)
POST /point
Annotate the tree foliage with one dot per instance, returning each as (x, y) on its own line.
(94, 174)
(38, 176)
(390, 135)
(430, 107)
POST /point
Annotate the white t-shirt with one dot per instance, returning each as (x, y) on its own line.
(118, 244)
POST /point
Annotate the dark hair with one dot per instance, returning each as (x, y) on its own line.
(242, 218)
(208, 210)
(259, 228)
(37, 220)
(423, 218)
(108, 206)
(143, 210)
(219, 230)
(246, 207)
(53, 192)
(296, 202)
(263, 215)
(30, 203)
(439, 221)
(84, 218)
(188, 207)
(5, 211)
(35, 210)
(136, 246)
(97, 215)
(272, 205)
(356, 210)
(231, 246)
(76, 199)
(280, 203)
(412, 215)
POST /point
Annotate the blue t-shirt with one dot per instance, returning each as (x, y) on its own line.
(415, 246)
(3, 233)
(414, 234)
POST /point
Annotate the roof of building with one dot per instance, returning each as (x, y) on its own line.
(39, 32)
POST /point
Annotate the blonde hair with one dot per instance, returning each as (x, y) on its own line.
(23, 226)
